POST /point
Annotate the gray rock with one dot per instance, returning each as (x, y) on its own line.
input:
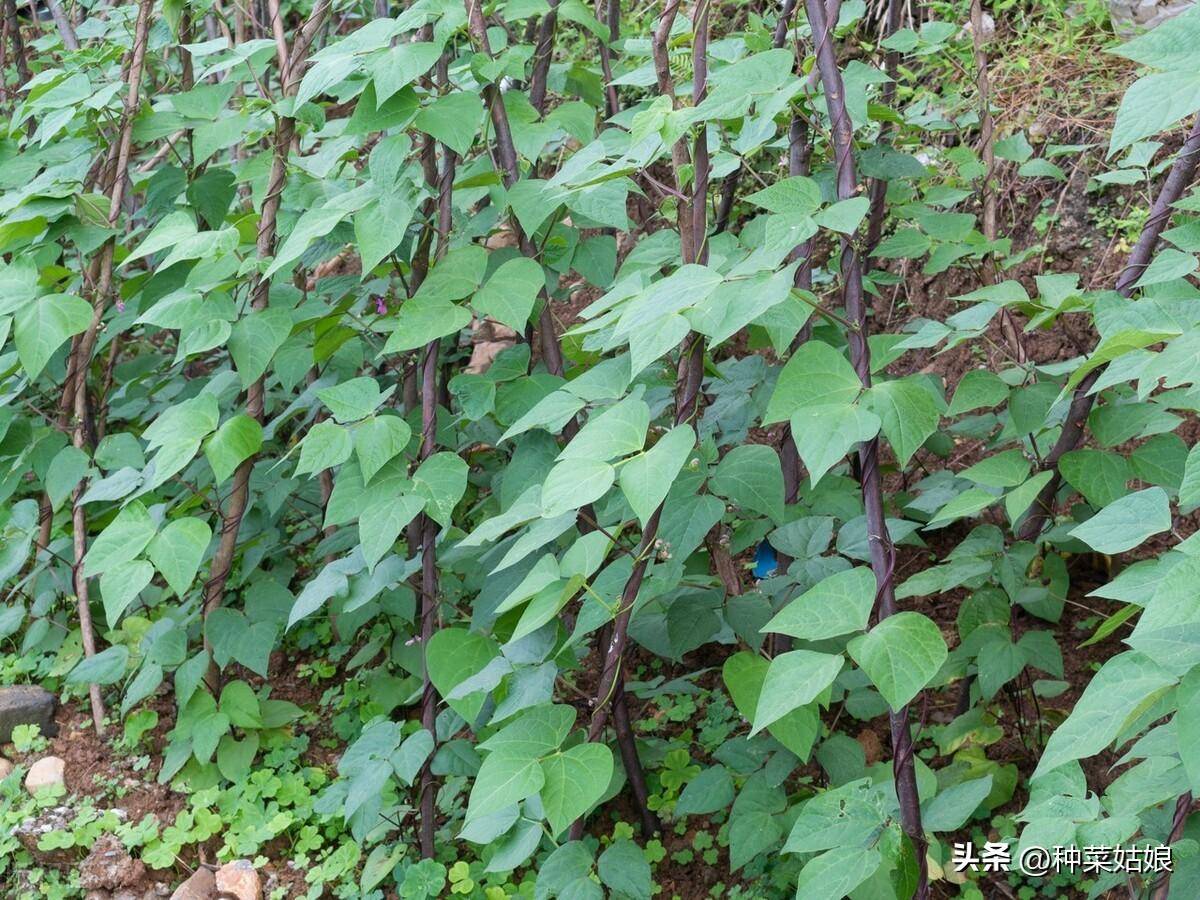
(30, 833)
(109, 867)
(1129, 17)
(26, 704)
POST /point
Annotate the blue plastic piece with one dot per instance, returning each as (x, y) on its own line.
(765, 562)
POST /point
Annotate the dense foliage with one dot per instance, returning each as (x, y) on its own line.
(482, 449)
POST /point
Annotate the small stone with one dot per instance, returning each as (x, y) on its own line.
(46, 772)
(31, 831)
(1129, 17)
(6, 768)
(201, 886)
(109, 867)
(26, 704)
(240, 879)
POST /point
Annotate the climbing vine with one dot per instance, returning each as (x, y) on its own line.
(548, 378)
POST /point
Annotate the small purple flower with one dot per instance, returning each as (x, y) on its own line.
(380, 306)
(120, 306)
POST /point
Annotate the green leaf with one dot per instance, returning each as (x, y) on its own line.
(453, 656)
(18, 284)
(1170, 45)
(999, 662)
(825, 434)
(792, 196)
(1125, 686)
(509, 295)
(1189, 489)
(255, 340)
(381, 523)
(646, 479)
(846, 815)
(1101, 477)
(708, 792)
(967, 503)
(1018, 500)
(1126, 522)
(42, 327)
(106, 667)
(906, 243)
(312, 224)
(457, 274)
(684, 288)
(177, 550)
(837, 605)
(573, 483)
(240, 705)
(1153, 104)
(1187, 726)
(844, 216)
(908, 414)
(536, 732)
(533, 202)
(411, 755)
(744, 674)
(619, 430)
(624, 870)
(794, 679)
(211, 193)
(977, 389)
(234, 757)
(326, 445)
(442, 481)
(401, 65)
(379, 227)
(900, 655)
(953, 806)
(1116, 345)
(596, 259)
(326, 73)
(754, 826)
(566, 873)
(184, 422)
(120, 586)
(656, 339)
(1168, 265)
(239, 438)
(1006, 469)
(735, 304)
(352, 400)
(378, 440)
(1015, 148)
(574, 780)
(453, 119)
(945, 226)
(64, 473)
(1161, 460)
(504, 778)
(125, 537)
(837, 872)
(750, 476)
(816, 375)
(1168, 627)
(425, 319)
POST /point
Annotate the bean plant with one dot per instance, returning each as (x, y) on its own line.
(247, 418)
